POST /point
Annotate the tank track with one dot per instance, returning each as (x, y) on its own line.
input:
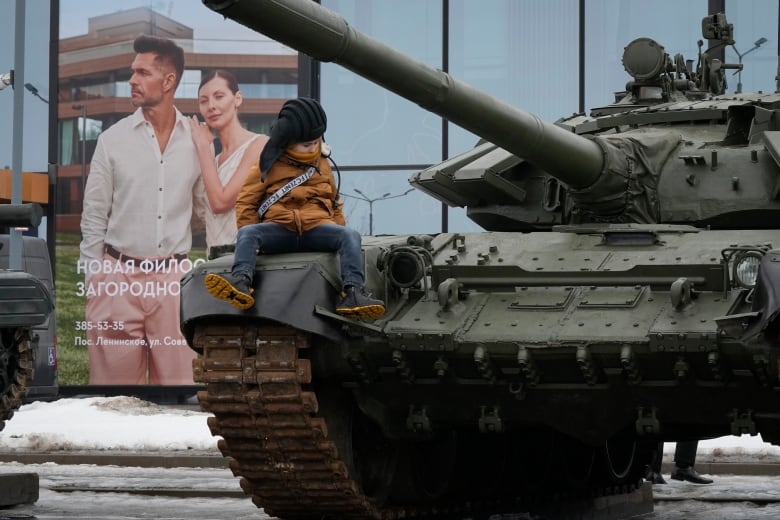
(16, 370)
(271, 433)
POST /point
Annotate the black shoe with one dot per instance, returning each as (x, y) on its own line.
(653, 476)
(236, 290)
(357, 302)
(690, 475)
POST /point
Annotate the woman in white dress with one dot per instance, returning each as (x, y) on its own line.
(223, 174)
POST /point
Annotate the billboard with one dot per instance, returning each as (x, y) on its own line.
(132, 206)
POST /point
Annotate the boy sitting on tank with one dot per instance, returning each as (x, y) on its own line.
(290, 203)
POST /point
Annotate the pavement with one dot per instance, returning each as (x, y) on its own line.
(114, 485)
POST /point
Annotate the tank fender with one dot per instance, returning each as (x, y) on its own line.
(287, 289)
(26, 300)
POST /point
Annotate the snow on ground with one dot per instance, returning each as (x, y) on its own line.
(131, 424)
(106, 423)
(745, 448)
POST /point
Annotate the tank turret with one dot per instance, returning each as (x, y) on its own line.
(624, 293)
(25, 301)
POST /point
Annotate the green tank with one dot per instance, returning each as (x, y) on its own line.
(25, 302)
(624, 292)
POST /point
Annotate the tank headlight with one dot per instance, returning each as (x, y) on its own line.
(746, 268)
(405, 267)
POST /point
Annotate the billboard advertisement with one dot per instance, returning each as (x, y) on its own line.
(150, 96)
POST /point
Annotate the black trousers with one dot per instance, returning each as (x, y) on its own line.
(684, 455)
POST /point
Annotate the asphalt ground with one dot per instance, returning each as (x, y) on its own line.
(190, 459)
(89, 492)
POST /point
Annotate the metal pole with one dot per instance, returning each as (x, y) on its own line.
(777, 76)
(371, 217)
(758, 43)
(83, 149)
(445, 130)
(739, 75)
(371, 201)
(53, 153)
(15, 239)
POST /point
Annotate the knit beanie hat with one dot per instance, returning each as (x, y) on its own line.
(300, 120)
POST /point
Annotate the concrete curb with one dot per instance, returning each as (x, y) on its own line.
(730, 468)
(186, 459)
(117, 458)
(18, 488)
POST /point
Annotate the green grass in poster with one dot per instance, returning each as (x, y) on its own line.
(73, 363)
(72, 349)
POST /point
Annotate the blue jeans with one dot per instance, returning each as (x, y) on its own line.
(269, 238)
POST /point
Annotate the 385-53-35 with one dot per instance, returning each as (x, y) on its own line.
(100, 325)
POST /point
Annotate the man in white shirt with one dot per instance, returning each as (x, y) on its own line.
(135, 225)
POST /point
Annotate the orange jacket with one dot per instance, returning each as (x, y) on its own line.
(305, 207)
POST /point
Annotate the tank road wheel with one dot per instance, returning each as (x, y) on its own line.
(619, 454)
(370, 457)
(433, 464)
(426, 470)
(495, 465)
(575, 461)
(624, 458)
(16, 370)
(532, 461)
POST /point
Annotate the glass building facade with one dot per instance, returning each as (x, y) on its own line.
(549, 57)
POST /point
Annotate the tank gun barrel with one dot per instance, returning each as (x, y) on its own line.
(20, 215)
(311, 29)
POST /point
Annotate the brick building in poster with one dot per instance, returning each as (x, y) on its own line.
(93, 91)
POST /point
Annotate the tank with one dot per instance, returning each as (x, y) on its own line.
(624, 292)
(25, 304)
(36, 262)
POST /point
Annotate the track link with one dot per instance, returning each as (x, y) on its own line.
(16, 370)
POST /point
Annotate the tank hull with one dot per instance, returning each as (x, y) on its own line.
(505, 341)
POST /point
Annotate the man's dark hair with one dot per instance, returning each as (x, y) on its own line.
(165, 49)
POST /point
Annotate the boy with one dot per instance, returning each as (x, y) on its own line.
(290, 203)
